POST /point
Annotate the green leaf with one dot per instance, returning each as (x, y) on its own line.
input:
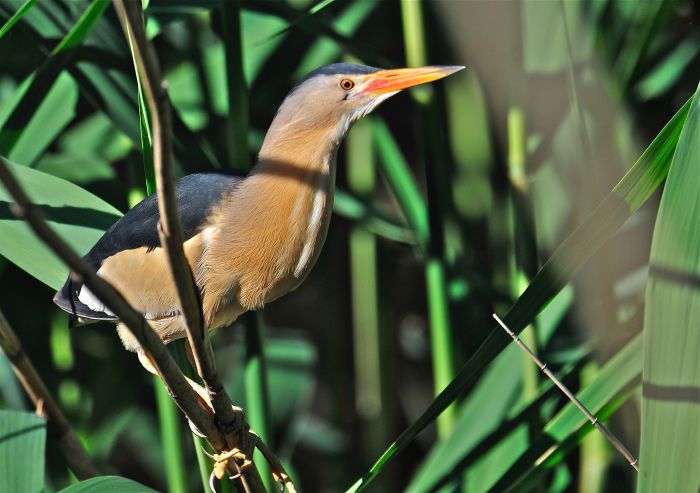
(323, 50)
(54, 112)
(378, 222)
(46, 77)
(670, 438)
(22, 443)
(627, 196)
(402, 183)
(670, 70)
(108, 484)
(77, 215)
(17, 16)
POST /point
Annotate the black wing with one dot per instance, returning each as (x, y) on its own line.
(196, 196)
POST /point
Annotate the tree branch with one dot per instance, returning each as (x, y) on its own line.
(77, 457)
(170, 229)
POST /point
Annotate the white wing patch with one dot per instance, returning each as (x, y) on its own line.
(92, 302)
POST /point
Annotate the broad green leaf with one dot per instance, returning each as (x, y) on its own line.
(670, 438)
(86, 151)
(26, 6)
(22, 443)
(108, 484)
(11, 395)
(111, 91)
(627, 196)
(78, 216)
(54, 112)
(41, 82)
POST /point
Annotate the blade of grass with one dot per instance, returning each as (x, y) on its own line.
(108, 91)
(317, 27)
(374, 220)
(26, 6)
(45, 77)
(324, 50)
(628, 195)
(670, 437)
(371, 349)
(523, 246)
(237, 121)
(438, 191)
(171, 443)
(402, 184)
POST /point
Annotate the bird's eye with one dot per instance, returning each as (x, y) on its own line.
(346, 84)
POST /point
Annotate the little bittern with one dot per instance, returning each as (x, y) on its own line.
(252, 239)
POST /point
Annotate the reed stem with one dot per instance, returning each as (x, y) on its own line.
(438, 191)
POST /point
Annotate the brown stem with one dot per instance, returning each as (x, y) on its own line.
(170, 228)
(170, 231)
(77, 457)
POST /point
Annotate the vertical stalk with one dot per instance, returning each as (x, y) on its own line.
(436, 179)
(169, 419)
(369, 340)
(523, 258)
(595, 456)
(237, 124)
(204, 464)
(171, 444)
(170, 433)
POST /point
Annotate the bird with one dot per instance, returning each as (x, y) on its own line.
(248, 239)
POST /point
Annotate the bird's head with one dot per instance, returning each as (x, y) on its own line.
(330, 99)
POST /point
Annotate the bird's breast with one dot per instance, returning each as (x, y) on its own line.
(269, 234)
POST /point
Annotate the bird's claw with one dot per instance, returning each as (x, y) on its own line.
(221, 465)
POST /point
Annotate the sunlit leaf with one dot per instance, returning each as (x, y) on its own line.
(22, 443)
(26, 6)
(670, 438)
(78, 216)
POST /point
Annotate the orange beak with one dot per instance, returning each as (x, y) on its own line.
(402, 78)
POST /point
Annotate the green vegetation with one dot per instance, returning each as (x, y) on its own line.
(554, 182)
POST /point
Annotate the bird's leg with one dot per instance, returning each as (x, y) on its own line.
(246, 438)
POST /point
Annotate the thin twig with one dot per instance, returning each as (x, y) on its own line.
(278, 471)
(77, 457)
(177, 386)
(601, 428)
(170, 228)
